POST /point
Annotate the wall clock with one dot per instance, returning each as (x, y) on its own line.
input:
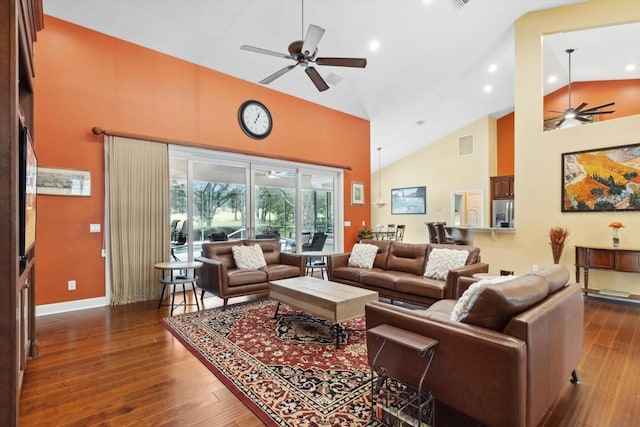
(255, 119)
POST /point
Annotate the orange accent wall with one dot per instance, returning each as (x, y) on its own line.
(88, 79)
(625, 94)
(505, 144)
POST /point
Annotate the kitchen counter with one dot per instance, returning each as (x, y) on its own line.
(465, 232)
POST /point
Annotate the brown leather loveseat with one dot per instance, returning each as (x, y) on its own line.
(503, 364)
(220, 275)
(398, 271)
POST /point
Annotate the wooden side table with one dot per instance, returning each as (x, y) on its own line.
(316, 260)
(176, 273)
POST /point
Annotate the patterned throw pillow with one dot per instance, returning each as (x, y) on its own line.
(249, 257)
(442, 260)
(470, 296)
(362, 255)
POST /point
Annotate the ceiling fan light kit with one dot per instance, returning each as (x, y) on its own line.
(572, 117)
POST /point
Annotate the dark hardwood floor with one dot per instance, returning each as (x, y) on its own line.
(118, 366)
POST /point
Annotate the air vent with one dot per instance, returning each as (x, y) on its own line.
(460, 3)
(465, 145)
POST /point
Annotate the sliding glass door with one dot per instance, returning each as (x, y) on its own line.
(221, 196)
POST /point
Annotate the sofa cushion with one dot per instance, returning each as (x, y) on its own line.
(281, 271)
(239, 277)
(221, 251)
(423, 286)
(461, 309)
(383, 251)
(379, 278)
(557, 276)
(407, 257)
(362, 255)
(498, 303)
(249, 257)
(270, 249)
(442, 260)
(348, 273)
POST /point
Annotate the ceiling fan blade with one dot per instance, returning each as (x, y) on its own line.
(556, 111)
(591, 113)
(317, 79)
(311, 40)
(265, 51)
(560, 122)
(342, 62)
(580, 107)
(582, 119)
(277, 74)
(593, 109)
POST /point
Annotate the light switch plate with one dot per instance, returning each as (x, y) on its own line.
(94, 228)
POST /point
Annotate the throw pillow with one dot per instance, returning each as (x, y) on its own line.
(249, 257)
(362, 255)
(470, 296)
(442, 260)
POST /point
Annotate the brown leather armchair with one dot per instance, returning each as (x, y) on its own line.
(505, 375)
(220, 276)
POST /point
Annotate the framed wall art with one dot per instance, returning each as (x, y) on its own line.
(357, 193)
(603, 179)
(409, 200)
(64, 182)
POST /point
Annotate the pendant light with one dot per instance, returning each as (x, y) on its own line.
(379, 203)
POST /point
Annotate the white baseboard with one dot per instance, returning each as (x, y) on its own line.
(62, 307)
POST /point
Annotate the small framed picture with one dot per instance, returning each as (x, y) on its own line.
(357, 193)
(64, 182)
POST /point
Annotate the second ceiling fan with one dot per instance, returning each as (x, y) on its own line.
(304, 53)
(577, 115)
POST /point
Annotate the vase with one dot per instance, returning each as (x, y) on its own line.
(616, 237)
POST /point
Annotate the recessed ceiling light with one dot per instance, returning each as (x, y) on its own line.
(493, 68)
(488, 88)
(630, 67)
(552, 79)
(374, 45)
(420, 122)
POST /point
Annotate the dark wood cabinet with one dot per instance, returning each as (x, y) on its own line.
(19, 22)
(502, 187)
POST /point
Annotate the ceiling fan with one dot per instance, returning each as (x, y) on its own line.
(576, 116)
(304, 53)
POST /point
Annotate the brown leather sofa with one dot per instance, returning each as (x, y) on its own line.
(398, 272)
(220, 276)
(507, 372)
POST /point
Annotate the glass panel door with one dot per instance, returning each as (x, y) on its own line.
(275, 205)
(218, 196)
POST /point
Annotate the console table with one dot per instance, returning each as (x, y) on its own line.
(616, 259)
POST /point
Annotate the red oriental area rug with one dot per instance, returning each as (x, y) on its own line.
(286, 370)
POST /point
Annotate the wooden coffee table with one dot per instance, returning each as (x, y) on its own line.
(332, 301)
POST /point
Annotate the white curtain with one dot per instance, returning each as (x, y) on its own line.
(138, 215)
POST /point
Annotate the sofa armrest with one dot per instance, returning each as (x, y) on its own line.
(452, 287)
(297, 260)
(463, 284)
(337, 260)
(212, 277)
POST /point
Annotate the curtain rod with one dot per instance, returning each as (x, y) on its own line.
(99, 131)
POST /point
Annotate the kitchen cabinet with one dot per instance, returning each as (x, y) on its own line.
(502, 187)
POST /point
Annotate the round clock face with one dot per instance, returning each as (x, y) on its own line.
(255, 119)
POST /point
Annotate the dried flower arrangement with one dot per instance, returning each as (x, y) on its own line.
(557, 236)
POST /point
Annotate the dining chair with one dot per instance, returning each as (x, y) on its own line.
(433, 233)
(443, 237)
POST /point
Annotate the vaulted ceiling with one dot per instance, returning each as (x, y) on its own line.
(439, 65)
